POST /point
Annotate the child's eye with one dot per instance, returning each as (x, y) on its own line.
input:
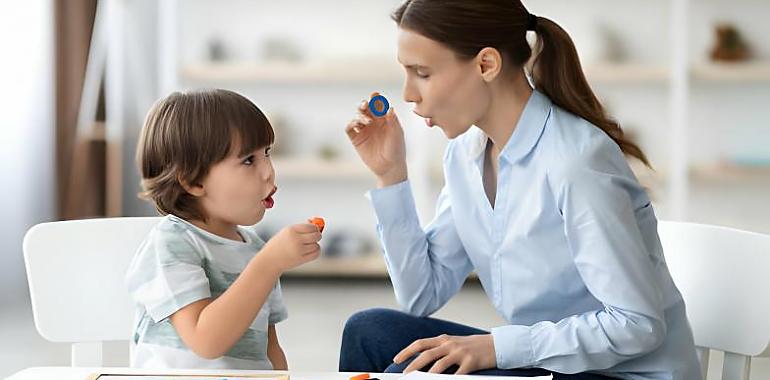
(422, 75)
(267, 152)
(248, 160)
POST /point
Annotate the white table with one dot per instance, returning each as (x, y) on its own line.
(80, 373)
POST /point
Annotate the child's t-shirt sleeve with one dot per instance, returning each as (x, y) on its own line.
(167, 273)
(278, 311)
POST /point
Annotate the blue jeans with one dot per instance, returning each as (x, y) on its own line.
(373, 337)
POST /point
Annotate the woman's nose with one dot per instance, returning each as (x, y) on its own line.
(410, 93)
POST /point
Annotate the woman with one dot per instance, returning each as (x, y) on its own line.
(538, 200)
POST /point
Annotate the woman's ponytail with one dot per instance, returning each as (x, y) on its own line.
(557, 73)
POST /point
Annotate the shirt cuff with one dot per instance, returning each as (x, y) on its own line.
(277, 316)
(393, 204)
(513, 346)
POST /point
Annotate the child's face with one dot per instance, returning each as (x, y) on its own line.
(238, 189)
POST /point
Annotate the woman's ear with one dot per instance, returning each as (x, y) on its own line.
(195, 190)
(490, 62)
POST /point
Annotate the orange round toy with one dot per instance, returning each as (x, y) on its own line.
(319, 222)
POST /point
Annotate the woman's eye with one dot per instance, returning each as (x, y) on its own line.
(248, 160)
(267, 152)
(422, 75)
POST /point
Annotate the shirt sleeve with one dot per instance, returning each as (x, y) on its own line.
(167, 274)
(427, 267)
(278, 311)
(598, 199)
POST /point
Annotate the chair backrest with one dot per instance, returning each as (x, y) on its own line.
(723, 274)
(75, 271)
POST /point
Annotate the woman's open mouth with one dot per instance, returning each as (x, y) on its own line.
(428, 119)
(268, 201)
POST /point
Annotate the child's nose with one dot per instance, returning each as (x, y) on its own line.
(270, 173)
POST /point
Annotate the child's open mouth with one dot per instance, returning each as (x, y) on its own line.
(269, 202)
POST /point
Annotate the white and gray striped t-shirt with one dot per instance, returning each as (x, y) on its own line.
(178, 264)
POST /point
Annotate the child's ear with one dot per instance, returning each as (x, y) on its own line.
(195, 190)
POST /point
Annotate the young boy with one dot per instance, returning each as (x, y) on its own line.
(206, 288)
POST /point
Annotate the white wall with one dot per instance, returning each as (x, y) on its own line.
(26, 145)
(26, 164)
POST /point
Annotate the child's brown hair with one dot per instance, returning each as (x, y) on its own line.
(186, 133)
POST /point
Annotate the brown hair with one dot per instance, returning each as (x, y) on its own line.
(185, 134)
(467, 26)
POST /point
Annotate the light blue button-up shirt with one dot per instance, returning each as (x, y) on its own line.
(569, 255)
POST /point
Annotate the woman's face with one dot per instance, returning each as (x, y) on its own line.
(448, 92)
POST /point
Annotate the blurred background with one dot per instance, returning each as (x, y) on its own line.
(689, 80)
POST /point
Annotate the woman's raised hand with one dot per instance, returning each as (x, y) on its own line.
(380, 143)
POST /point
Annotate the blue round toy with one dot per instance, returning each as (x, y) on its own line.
(373, 105)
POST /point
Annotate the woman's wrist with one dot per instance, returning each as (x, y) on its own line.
(392, 177)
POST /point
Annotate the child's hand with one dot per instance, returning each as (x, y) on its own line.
(380, 143)
(293, 246)
(319, 222)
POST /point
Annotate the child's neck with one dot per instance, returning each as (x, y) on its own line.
(219, 228)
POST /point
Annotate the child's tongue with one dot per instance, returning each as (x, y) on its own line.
(268, 202)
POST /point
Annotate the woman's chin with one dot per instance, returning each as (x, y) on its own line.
(450, 133)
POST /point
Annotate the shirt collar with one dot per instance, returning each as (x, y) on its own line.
(525, 136)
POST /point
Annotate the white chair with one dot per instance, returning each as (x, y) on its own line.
(75, 271)
(724, 277)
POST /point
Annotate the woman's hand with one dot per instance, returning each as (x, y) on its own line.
(470, 353)
(380, 143)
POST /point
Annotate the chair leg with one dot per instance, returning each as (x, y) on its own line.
(736, 367)
(704, 355)
(87, 354)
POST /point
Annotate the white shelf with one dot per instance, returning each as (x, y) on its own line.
(739, 175)
(370, 266)
(309, 168)
(353, 71)
(377, 71)
(741, 72)
(626, 73)
(733, 174)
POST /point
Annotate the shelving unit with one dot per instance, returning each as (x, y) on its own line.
(375, 72)
(740, 73)
(676, 182)
(361, 71)
(370, 265)
(311, 168)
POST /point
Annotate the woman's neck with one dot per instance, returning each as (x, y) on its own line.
(507, 101)
(219, 228)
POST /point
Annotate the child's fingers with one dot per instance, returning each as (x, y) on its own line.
(311, 256)
(305, 228)
(310, 249)
(311, 238)
(318, 222)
